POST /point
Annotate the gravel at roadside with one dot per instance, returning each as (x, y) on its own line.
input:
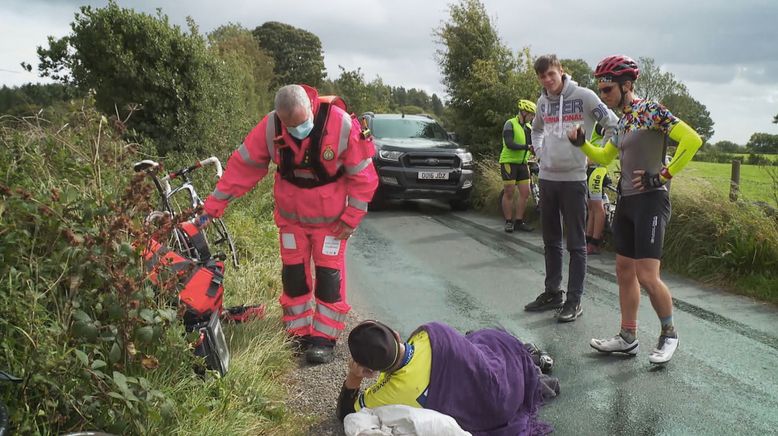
(313, 389)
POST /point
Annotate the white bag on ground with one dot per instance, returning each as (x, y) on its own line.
(401, 420)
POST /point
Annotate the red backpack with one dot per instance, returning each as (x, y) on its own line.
(199, 283)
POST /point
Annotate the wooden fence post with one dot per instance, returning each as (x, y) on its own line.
(734, 183)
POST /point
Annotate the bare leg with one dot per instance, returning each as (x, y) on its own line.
(648, 275)
(523, 196)
(597, 218)
(507, 201)
(629, 289)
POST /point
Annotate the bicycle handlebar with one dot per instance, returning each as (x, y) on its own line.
(213, 160)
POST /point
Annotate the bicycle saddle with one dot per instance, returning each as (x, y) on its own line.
(145, 165)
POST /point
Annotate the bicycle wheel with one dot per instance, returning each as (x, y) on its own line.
(178, 240)
(218, 236)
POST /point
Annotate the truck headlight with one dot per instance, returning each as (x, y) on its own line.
(466, 158)
(390, 155)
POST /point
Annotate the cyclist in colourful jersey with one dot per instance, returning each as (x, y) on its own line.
(643, 209)
(516, 146)
(487, 380)
(597, 178)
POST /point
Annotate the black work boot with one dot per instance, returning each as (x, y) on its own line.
(320, 351)
(546, 301)
(299, 343)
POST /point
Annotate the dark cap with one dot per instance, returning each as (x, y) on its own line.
(373, 345)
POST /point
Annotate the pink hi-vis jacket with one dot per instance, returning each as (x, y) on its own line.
(342, 145)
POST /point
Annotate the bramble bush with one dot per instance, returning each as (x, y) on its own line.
(78, 321)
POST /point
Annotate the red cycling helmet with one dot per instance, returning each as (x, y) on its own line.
(617, 67)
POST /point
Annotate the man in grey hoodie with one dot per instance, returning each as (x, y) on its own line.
(562, 105)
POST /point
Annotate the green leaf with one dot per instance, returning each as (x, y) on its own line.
(82, 316)
(147, 315)
(145, 334)
(121, 381)
(115, 354)
(98, 364)
(116, 395)
(82, 357)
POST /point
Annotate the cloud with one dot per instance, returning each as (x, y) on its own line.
(723, 50)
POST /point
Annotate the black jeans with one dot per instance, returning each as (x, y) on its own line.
(564, 202)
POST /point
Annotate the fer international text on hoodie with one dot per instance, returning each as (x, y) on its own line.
(559, 160)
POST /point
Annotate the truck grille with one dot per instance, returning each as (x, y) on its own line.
(431, 161)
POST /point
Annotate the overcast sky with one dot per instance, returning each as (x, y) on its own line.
(725, 51)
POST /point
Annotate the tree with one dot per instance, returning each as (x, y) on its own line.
(580, 71)
(399, 96)
(655, 85)
(188, 97)
(31, 97)
(775, 119)
(692, 112)
(727, 147)
(351, 86)
(417, 97)
(437, 106)
(297, 53)
(483, 78)
(763, 143)
(252, 66)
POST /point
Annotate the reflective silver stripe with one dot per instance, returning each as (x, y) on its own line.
(299, 322)
(307, 220)
(345, 132)
(270, 134)
(358, 167)
(324, 328)
(303, 174)
(219, 195)
(329, 313)
(358, 204)
(244, 154)
(298, 309)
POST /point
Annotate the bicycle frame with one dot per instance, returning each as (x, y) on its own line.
(167, 205)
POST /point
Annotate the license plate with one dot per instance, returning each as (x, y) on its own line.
(433, 175)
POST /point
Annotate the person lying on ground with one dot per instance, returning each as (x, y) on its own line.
(487, 380)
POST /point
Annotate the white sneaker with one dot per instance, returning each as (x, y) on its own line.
(616, 344)
(664, 350)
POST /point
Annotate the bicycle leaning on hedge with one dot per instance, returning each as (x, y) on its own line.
(184, 200)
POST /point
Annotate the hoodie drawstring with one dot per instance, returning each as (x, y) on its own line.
(560, 128)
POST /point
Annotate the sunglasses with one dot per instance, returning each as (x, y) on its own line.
(606, 89)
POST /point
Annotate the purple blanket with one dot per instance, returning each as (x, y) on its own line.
(485, 380)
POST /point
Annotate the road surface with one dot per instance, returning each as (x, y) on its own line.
(418, 262)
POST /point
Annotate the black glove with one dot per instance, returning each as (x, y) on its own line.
(652, 180)
(580, 139)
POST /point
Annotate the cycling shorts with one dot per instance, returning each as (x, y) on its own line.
(514, 173)
(639, 225)
(597, 178)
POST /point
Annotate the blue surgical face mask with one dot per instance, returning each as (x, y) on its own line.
(303, 130)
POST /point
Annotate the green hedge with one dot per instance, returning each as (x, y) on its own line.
(98, 348)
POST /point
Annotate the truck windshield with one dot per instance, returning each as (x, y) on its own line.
(408, 128)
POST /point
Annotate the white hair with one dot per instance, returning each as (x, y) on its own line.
(290, 97)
